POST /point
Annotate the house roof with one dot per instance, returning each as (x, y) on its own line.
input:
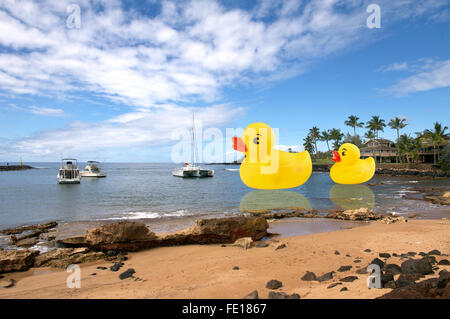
(379, 140)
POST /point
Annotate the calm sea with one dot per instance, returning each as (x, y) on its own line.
(149, 192)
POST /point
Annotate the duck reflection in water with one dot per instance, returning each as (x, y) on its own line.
(352, 196)
(268, 200)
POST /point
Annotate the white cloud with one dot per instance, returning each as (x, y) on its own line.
(47, 111)
(186, 53)
(436, 76)
(400, 66)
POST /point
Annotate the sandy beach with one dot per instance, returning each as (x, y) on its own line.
(206, 271)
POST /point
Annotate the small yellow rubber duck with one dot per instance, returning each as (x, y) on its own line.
(349, 168)
(265, 167)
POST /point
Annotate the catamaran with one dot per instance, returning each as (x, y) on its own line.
(68, 172)
(191, 169)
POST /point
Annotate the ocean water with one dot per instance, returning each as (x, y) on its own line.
(149, 192)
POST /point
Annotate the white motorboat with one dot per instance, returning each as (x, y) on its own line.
(68, 172)
(190, 169)
(92, 170)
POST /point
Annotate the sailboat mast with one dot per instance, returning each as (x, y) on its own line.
(193, 147)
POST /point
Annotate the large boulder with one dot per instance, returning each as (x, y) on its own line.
(218, 230)
(16, 260)
(61, 258)
(128, 236)
(232, 228)
(417, 266)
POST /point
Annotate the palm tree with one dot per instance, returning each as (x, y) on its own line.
(436, 137)
(353, 122)
(326, 137)
(369, 135)
(404, 145)
(314, 133)
(336, 136)
(397, 124)
(308, 144)
(376, 124)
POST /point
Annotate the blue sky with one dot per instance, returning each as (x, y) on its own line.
(117, 88)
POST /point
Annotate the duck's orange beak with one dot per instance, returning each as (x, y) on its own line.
(239, 145)
(336, 157)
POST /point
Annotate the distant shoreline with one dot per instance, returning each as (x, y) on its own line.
(15, 167)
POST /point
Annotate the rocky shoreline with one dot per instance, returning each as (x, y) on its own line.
(15, 167)
(396, 170)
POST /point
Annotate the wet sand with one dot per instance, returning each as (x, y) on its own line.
(206, 271)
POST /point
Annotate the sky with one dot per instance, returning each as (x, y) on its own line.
(120, 84)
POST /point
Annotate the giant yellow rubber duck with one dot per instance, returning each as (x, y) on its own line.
(349, 168)
(265, 167)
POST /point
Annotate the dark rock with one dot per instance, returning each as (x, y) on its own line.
(347, 255)
(282, 295)
(94, 274)
(429, 288)
(384, 255)
(336, 252)
(334, 284)
(111, 253)
(349, 279)
(325, 277)
(101, 268)
(344, 268)
(434, 252)
(356, 261)
(394, 254)
(378, 262)
(122, 258)
(362, 271)
(444, 262)
(411, 253)
(367, 250)
(344, 289)
(309, 276)
(385, 278)
(431, 259)
(417, 266)
(252, 295)
(280, 246)
(406, 280)
(116, 266)
(390, 284)
(392, 269)
(223, 245)
(127, 274)
(235, 268)
(26, 242)
(274, 284)
(422, 253)
(444, 279)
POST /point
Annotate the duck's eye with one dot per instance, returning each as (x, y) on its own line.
(343, 153)
(256, 140)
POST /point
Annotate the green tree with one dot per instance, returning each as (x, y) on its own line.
(326, 137)
(353, 122)
(436, 137)
(376, 124)
(356, 139)
(397, 124)
(369, 135)
(336, 136)
(405, 143)
(314, 133)
(308, 144)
